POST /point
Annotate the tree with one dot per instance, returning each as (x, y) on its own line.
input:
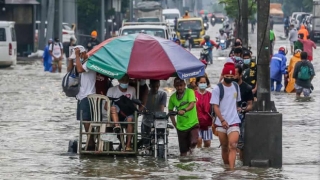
(232, 7)
(89, 14)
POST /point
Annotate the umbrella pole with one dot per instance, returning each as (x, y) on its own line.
(135, 141)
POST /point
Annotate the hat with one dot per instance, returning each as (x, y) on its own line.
(204, 62)
(229, 68)
(178, 80)
(297, 51)
(73, 55)
(94, 33)
(246, 53)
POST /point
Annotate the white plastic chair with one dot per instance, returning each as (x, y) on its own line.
(96, 102)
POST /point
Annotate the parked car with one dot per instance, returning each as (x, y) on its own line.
(67, 31)
(8, 44)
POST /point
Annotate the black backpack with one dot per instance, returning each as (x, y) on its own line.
(126, 106)
(71, 83)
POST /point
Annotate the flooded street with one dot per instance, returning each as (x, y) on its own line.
(37, 121)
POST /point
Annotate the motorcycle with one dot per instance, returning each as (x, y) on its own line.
(204, 54)
(158, 144)
(206, 25)
(241, 114)
(213, 21)
(222, 43)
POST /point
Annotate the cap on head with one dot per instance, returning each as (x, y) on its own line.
(81, 48)
(94, 34)
(229, 69)
(177, 80)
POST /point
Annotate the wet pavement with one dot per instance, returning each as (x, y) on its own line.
(37, 121)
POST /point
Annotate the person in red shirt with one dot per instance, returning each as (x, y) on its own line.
(308, 46)
(206, 41)
(203, 111)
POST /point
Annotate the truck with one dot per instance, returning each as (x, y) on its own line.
(276, 12)
(315, 22)
(148, 11)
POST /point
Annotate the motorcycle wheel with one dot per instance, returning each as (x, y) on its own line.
(73, 146)
(161, 151)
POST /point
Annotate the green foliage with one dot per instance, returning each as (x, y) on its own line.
(89, 14)
(232, 8)
(218, 8)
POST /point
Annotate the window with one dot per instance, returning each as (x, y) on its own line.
(3, 34)
(66, 27)
(152, 32)
(13, 34)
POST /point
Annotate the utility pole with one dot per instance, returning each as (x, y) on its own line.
(58, 19)
(263, 127)
(130, 10)
(244, 22)
(103, 19)
(50, 20)
(41, 31)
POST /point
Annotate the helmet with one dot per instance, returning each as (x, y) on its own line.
(94, 33)
(221, 30)
(143, 31)
(207, 37)
(283, 49)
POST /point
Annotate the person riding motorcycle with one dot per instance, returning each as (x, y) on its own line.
(222, 35)
(206, 41)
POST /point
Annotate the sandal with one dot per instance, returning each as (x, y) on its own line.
(129, 149)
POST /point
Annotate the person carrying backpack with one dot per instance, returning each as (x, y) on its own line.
(56, 51)
(224, 99)
(303, 73)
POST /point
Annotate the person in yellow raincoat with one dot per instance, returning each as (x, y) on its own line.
(295, 58)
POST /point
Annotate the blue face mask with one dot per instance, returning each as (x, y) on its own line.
(238, 58)
(123, 86)
(203, 86)
(246, 61)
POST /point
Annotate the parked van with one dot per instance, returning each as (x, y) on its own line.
(8, 44)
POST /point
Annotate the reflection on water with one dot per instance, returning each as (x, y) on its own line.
(37, 121)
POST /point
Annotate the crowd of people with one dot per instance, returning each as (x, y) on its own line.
(207, 114)
(299, 72)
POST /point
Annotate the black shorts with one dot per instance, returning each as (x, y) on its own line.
(85, 107)
(188, 138)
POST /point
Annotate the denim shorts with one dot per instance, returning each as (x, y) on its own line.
(83, 105)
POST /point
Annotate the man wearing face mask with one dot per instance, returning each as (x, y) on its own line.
(156, 101)
(88, 79)
(227, 118)
(246, 97)
(123, 89)
(250, 72)
(238, 44)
